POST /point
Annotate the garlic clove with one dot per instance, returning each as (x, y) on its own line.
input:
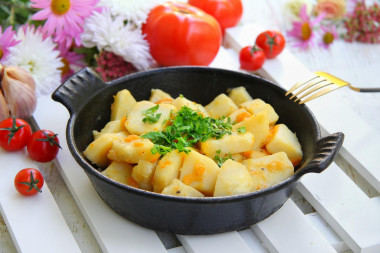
(4, 110)
(21, 75)
(19, 92)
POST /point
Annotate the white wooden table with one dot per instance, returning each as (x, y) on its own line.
(335, 211)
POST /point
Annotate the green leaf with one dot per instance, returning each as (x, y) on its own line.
(187, 127)
(221, 159)
(242, 130)
(150, 117)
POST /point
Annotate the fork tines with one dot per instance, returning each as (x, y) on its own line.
(313, 84)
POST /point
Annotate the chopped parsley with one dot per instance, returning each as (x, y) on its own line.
(185, 129)
(242, 130)
(220, 160)
(150, 116)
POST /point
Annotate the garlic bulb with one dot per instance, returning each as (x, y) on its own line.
(18, 88)
(4, 110)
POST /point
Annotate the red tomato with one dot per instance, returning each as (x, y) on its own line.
(272, 42)
(14, 134)
(251, 58)
(181, 34)
(43, 146)
(29, 181)
(227, 12)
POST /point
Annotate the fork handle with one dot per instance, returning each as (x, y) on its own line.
(366, 89)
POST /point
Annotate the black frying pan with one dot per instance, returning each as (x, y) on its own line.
(88, 100)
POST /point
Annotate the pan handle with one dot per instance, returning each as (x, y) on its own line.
(77, 89)
(326, 151)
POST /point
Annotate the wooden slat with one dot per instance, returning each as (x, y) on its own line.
(353, 215)
(221, 243)
(289, 230)
(177, 250)
(253, 241)
(31, 220)
(333, 238)
(114, 233)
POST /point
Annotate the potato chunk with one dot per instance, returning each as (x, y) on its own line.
(131, 149)
(258, 125)
(158, 96)
(269, 170)
(167, 169)
(200, 172)
(98, 150)
(221, 106)
(255, 153)
(181, 101)
(177, 188)
(257, 105)
(143, 172)
(136, 125)
(122, 105)
(285, 140)
(233, 179)
(114, 126)
(228, 144)
(239, 95)
(239, 115)
(120, 172)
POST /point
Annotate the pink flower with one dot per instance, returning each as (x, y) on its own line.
(329, 34)
(111, 66)
(64, 18)
(362, 23)
(334, 9)
(302, 31)
(7, 40)
(72, 62)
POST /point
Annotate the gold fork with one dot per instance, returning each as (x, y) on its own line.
(319, 84)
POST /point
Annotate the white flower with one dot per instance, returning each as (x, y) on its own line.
(112, 33)
(132, 10)
(39, 56)
(292, 8)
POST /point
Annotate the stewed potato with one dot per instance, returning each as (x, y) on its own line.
(122, 105)
(178, 188)
(97, 151)
(233, 179)
(257, 105)
(239, 95)
(168, 168)
(135, 122)
(181, 148)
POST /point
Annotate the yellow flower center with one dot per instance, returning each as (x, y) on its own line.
(1, 53)
(305, 31)
(328, 38)
(66, 66)
(60, 7)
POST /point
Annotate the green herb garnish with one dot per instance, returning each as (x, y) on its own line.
(150, 116)
(186, 128)
(220, 160)
(242, 130)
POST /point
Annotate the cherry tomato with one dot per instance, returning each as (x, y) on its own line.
(227, 12)
(14, 134)
(251, 58)
(181, 34)
(43, 146)
(29, 181)
(272, 42)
